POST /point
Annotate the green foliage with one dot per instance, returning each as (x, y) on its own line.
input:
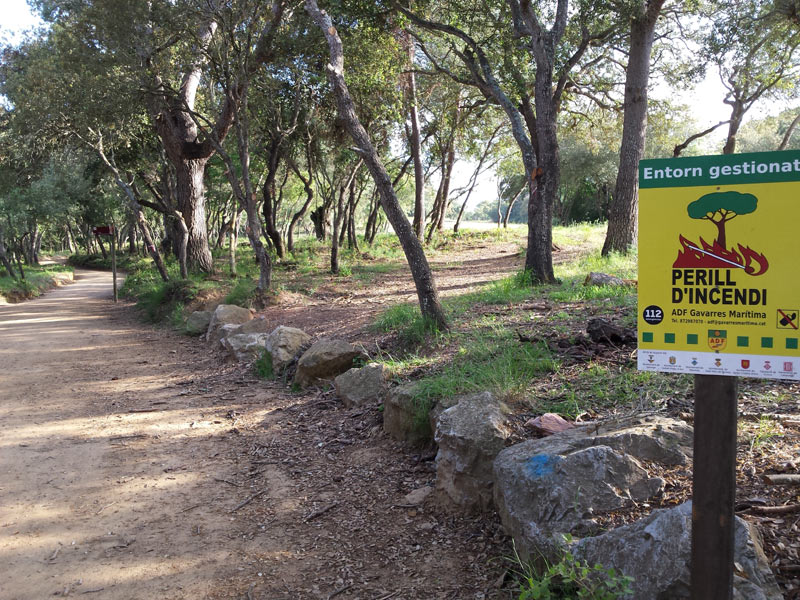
(158, 300)
(571, 578)
(494, 361)
(263, 365)
(242, 294)
(38, 279)
(408, 322)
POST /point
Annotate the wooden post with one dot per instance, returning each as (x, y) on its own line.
(114, 261)
(713, 486)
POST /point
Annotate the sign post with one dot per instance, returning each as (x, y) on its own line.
(718, 298)
(109, 231)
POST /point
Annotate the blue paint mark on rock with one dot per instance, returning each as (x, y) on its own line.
(541, 465)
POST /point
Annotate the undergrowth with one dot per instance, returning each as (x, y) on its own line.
(38, 279)
(570, 578)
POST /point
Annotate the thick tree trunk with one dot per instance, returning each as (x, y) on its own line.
(623, 218)
(427, 293)
(192, 205)
(543, 183)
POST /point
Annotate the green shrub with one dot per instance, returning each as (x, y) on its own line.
(571, 578)
(263, 366)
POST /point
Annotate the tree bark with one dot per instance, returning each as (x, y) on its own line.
(414, 141)
(309, 190)
(427, 293)
(623, 219)
(4, 256)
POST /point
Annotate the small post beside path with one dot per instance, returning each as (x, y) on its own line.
(713, 486)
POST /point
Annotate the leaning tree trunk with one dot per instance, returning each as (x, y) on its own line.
(427, 293)
(623, 217)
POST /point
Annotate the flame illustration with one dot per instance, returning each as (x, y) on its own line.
(714, 256)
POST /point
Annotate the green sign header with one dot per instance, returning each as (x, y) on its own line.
(724, 169)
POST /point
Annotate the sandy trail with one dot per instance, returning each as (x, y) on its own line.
(98, 496)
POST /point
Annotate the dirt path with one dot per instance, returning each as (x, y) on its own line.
(128, 456)
(92, 492)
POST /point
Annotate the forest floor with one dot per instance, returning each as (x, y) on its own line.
(136, 463)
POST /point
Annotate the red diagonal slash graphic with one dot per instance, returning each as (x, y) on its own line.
(788, 319)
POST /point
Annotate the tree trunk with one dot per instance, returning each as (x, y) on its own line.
(234, 241)
(543, 183)
(511, 206)
(427, 293)
(737, 113)
(414, 142)
(623, 219)
(271, 204)
(192, 205)
(309, 190)
(4, 256)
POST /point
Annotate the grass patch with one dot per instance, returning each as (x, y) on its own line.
(495, 363)
(242, 294)
(263, 366)
(38, 279)
(407, 321)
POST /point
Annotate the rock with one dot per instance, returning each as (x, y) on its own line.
(403, 417)
(226, 314)
(606, 332)
(244, 347)
(470, 435)
(324, 360)
(198, 321)
(256, 325)
(417, 497)
(357, 387)
(656, 552)
(594, 278)
(549, 423)
(552, 486)
(438, 408)
(283, 344)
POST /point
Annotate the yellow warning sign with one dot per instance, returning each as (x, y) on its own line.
(718, 243)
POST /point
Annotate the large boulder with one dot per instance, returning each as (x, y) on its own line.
(557, 485)
(358, 387)
(283, 344)
(226, 314)
(324, 360)
(198, 321)
(244, 347)
(470, 435)
(656, 552)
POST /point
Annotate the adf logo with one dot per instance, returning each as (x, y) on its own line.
(717, 339)
(719, 208)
